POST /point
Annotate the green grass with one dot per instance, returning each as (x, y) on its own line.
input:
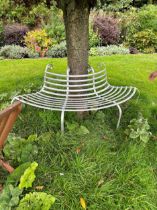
(122, 70)
(111, 172)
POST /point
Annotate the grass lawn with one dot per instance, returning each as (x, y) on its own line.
(122, 70)
(101, 164)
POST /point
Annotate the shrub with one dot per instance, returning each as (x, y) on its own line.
(94, 39)
(14, 34)
(55, 28)
(140, 23)
(108, 29)
(109, 50)
(147, 18)
(36, 15)
(1, 34)
(38, 41)
(128, 23)
(145, 41)
(57, 51)
(16, 52)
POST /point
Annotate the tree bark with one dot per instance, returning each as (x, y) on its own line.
(76, 19)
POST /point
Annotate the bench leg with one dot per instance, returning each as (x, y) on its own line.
(120, 115)
(62, 121)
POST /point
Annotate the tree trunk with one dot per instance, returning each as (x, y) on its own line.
(76, 19)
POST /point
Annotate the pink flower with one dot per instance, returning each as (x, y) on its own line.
(37, 48)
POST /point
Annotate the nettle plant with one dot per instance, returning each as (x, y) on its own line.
(139, 129)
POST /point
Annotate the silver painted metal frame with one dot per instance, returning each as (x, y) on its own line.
(66, 92)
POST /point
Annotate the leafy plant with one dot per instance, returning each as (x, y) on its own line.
(38, 41)
(14, 34)
(108, 50)
(9, 197)
(107, 29)
(16, 52)
(1, 33)
(36, 201)
(145, 41)
(55, 27)
(139, 129)
(28, 177)
(15, 176)
(57, 51)
(94, 39)
(20, 150)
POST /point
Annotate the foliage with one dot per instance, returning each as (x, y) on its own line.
(36, 15)
(108, 29)
(28, 177)
(14, 177)
(140, 24)
(57, 51)
(9, 198)
(115, 5)
(145, 41)
(55, 27)
(17, 11)
(38, 41)
(1, 33)
(147, 18)
(36, 201)
(139, 129)
(16, 52)
(94, 39)
(9, 12)
(20, 150)
(108, 50)
(128, 23)
(14, 34)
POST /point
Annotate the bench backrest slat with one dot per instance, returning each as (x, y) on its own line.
(60, 85)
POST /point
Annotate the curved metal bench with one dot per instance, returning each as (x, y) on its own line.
(65, 92)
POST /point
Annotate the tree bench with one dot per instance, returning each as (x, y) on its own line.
(77, 93)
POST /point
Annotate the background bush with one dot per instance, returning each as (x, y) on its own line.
(145, 41)
(38, 41)
(14, 34)
(94, 39)
(57, 51)
(16, 52)
(1, 33)
(108, 50)
(139, 28)
(108, 29)
(55, 28)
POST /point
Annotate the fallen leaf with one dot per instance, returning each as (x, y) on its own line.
(39, 187)
(105, 137)
(78, 150)
(83, 203)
